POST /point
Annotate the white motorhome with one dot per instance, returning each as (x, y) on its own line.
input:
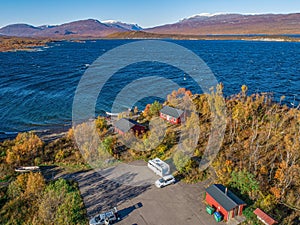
(159, 167)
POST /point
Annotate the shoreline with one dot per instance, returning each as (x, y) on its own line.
(46, 136)
(15, 44)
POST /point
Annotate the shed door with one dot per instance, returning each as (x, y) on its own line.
(231, 214)
(235, 212)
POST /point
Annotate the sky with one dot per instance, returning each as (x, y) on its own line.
(146, 13)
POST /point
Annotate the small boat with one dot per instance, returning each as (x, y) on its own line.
(26, 169)
(112, 114)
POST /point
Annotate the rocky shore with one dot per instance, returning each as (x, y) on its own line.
(21, 44)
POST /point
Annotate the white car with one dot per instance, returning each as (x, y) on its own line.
(164, 181)
(105, 218)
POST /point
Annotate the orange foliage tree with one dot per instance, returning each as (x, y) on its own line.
(27, 147)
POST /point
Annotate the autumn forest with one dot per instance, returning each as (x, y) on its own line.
(259, 158)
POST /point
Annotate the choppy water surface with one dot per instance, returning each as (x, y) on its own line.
(37, 88)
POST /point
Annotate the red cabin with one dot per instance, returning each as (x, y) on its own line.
(224, 201)
(172, 115)
(263, 217)
(124, 125)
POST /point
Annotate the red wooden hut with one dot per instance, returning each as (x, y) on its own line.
(125, 125)
(263, 217)
(173, 115)
(224, 201)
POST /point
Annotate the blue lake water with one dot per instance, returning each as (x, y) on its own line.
(37, 88)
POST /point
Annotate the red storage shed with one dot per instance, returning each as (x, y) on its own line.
(224, 201)
(263, 217)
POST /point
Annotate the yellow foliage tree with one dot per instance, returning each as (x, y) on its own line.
(25, 149)
(35, 184)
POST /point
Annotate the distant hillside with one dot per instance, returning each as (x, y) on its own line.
(144, 35)
(270, 24)
(19, 30)
(81, 28)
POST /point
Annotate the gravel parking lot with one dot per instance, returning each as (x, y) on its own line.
(176, 204)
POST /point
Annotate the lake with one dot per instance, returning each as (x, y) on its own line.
(37, 88)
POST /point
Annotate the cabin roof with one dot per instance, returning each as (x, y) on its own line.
(176, 113)
(264, 217)
(125, 125)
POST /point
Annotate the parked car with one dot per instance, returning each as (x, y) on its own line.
(105, 218)
(164, 181)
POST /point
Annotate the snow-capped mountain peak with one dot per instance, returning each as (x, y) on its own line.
(204, 15)
(122, 25)
(208, 14)
(110, 21)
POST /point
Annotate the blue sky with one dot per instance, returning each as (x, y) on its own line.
(145, 13)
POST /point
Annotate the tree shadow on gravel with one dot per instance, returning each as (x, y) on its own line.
(100, 194)
(50, 172)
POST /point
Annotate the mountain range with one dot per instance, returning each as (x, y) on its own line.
(81, 28)
(202, 24)
(233, 24)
